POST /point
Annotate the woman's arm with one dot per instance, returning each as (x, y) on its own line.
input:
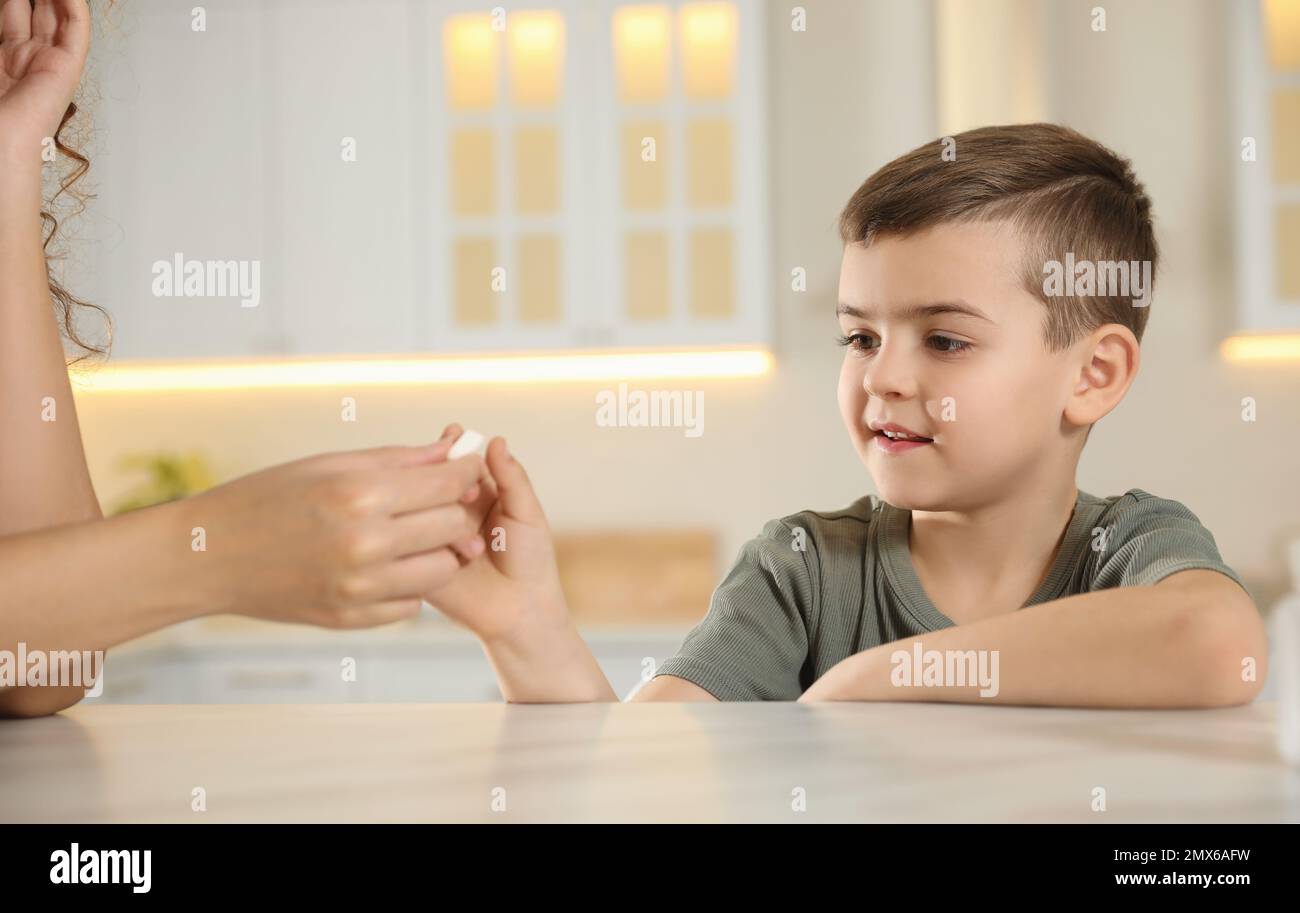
(341, 540)
(90, 586)
(338, 540)
(43, 475)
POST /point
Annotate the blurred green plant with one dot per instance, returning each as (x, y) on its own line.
(169, 477)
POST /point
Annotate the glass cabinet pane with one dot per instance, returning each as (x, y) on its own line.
(473, 260)
(708, 43)
(645, 182)
(1288, 252)
(711, 285)
(1282, 23)
(473, 177)
(645, 275)
(708, 163)
(537, 170)
(536, 57)
(538, 284)
(642, 53)
(470, 52)
(1286, 136)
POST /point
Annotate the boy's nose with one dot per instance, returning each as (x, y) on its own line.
(889, 374)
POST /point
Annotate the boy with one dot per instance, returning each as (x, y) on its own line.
(971, 378)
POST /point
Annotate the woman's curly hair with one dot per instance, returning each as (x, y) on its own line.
(68, 305)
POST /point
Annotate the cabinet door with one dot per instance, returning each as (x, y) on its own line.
(340, 80)
(1267, 119)
(265, 676)
(441, 673)
(504, 228)
(679, 108)
(150, 676)
(183, 169)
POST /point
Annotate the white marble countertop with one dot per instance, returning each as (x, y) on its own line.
(869, 762)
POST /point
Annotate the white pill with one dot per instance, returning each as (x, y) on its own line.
(469, 442)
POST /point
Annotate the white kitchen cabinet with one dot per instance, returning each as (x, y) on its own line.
(1266, 71)
(183, 165)
(340, 148)
(498, 200)
(634, 182)
(449, 667)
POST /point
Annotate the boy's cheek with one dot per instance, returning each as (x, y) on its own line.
(852, 400)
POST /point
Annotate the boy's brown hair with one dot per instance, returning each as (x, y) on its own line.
(1063, 191)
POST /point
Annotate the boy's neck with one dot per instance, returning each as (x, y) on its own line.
(1000, 550)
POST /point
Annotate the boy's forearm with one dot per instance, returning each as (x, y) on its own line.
(547, 661)
(45, 482)
(1150, 646)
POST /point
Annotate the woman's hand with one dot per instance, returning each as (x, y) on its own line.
(513, 587)
(341, 540)
(42, 54)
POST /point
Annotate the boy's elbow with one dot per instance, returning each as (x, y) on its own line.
(1229, 654)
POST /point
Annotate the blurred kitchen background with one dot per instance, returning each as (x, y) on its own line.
(660, 184)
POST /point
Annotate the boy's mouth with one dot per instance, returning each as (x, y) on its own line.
(894, 438)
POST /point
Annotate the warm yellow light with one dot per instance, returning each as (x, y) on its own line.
(641, 35)
(1262, 347)
(1282, 21)
(511, 369)
(708, 37)
(470, 58)
(536, 55)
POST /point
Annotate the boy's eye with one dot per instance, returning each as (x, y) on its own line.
(856, 340)
(945, 344)
(957, 345)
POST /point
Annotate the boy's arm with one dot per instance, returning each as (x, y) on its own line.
(545, 660)
(1179, 643)
(511, 598)
(554, 664)
(670, 688)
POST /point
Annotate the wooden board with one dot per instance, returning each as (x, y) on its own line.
(648, 577)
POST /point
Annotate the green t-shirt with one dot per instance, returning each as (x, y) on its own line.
(814, 588)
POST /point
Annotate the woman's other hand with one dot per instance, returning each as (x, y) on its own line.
(42, 54)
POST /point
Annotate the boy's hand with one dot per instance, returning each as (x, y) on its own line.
(513, 583)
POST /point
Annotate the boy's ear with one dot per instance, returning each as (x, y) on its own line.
(1107, 365)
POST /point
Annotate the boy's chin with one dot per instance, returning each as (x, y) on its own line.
(910, 496)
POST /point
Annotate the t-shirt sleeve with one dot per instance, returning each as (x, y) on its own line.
(1148, 538)
(753, 642)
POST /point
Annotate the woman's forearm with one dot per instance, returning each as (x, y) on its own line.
(91, 586)
(44, 480)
